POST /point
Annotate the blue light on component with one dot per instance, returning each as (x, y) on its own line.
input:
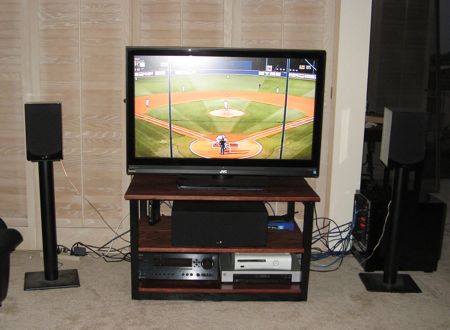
(280, 225)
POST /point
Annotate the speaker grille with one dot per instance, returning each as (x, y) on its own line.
(43, 127)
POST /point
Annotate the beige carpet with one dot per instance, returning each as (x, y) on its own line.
(337, 300)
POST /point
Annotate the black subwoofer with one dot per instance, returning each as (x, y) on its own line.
(420, 237)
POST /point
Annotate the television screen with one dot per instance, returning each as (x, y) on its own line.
(239, 111)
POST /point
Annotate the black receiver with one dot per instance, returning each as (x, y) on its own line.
(179, 266)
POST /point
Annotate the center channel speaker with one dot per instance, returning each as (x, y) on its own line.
(43, 128)
(219, 224)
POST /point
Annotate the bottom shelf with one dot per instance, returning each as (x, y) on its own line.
(214, 290)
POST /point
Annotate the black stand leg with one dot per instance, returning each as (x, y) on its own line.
(390, 281)
(51, 278)
(152, 216)
(48, 220)
(155, 214)
(291, 211)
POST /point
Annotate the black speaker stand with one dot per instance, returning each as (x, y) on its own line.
(51, 277)
(390, 281)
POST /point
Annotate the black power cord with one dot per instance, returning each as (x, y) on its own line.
(108, 254)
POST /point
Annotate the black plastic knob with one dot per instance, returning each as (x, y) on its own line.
(207, 263)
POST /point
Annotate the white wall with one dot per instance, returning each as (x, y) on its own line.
(353, 23)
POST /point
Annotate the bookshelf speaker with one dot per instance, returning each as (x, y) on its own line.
(43, 128)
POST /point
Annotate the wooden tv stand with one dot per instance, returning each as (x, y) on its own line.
(147, 238)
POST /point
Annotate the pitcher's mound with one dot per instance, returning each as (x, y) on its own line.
(226, 113)
(236, 150)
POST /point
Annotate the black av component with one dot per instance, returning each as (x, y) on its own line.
(179, 266)
(369, 212)
(420, 236)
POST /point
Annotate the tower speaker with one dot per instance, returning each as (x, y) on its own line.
(404, 136)
(43, 127)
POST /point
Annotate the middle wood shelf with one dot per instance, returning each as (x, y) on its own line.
(157, 238)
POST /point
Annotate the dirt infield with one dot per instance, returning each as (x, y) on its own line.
(296, 102)
(202, 145)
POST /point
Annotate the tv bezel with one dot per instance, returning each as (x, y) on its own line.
(216, 166)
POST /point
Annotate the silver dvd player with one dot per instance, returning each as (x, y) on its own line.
(231, 275)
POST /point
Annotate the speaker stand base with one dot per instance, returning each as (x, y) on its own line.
(403, 284)
(67, 278)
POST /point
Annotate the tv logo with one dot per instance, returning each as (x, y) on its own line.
(223, 172)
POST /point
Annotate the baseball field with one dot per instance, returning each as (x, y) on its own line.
(247, 111)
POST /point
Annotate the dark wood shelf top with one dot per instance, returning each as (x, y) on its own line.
(157, 238)
(163, 187)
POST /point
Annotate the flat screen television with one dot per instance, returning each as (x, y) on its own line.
(224, 116)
